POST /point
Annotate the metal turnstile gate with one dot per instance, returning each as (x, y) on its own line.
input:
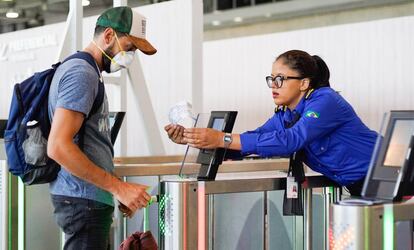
(355, 227)
(185, 207)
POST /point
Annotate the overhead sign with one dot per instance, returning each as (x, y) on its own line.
(12, 51)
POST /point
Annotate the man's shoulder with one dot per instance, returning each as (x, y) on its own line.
(75, 81)
(78, 66)
(77, 72)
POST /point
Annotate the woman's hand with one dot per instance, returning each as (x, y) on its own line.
(204, 138)
(175, 133)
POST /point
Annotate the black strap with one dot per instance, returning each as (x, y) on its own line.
(296, 166)
(296, 159)
(293, 207)
(95, 107)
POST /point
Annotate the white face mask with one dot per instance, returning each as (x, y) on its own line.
(122, 60)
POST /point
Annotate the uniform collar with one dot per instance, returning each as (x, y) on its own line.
(291, 115)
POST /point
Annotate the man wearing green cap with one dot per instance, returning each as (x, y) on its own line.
(80, 141)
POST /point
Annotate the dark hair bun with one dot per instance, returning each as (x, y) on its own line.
(307, 66)
(323, 74)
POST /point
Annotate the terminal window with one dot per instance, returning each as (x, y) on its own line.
(218, 123)
(399, 143)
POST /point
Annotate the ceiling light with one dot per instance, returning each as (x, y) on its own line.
(12, 14)
(238, 19)
(86, 3)
(216, 23)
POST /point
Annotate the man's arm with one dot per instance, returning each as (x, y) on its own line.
(65, 126)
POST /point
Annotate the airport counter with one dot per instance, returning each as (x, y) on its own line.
(241, 209)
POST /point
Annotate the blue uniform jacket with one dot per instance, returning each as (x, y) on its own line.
(336, 142)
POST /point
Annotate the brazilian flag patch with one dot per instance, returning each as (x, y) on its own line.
(312, 114)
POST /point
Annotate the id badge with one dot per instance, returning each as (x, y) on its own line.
(291, 188)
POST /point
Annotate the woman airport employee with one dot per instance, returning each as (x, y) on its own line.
(310, 116)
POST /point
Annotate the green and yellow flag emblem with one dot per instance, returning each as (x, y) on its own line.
(312, 114)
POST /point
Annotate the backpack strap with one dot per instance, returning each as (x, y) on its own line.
(95, 107)
(84, 56)
(101, 88)
(99, 99)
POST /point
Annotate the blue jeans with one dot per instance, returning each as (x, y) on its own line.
(86, 223)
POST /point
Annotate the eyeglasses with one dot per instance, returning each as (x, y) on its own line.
(278, 80)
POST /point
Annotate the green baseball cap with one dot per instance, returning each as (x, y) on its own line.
(125, 20)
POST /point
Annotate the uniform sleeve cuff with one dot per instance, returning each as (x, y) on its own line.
(248, 143)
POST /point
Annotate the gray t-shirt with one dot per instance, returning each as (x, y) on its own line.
(75, 87)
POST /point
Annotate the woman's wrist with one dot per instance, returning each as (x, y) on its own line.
(220, 140)
(235, 142)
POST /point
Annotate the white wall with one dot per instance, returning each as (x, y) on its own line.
(21, 54)
(172, 74)
(371, 64)
(169, 74)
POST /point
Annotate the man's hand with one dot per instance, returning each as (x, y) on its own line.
(175, 133)
(132, 196)
(125, 210)
(207, 138)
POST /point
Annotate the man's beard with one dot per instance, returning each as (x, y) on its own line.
(106, 62)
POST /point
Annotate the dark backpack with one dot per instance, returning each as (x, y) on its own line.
(26, 144)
